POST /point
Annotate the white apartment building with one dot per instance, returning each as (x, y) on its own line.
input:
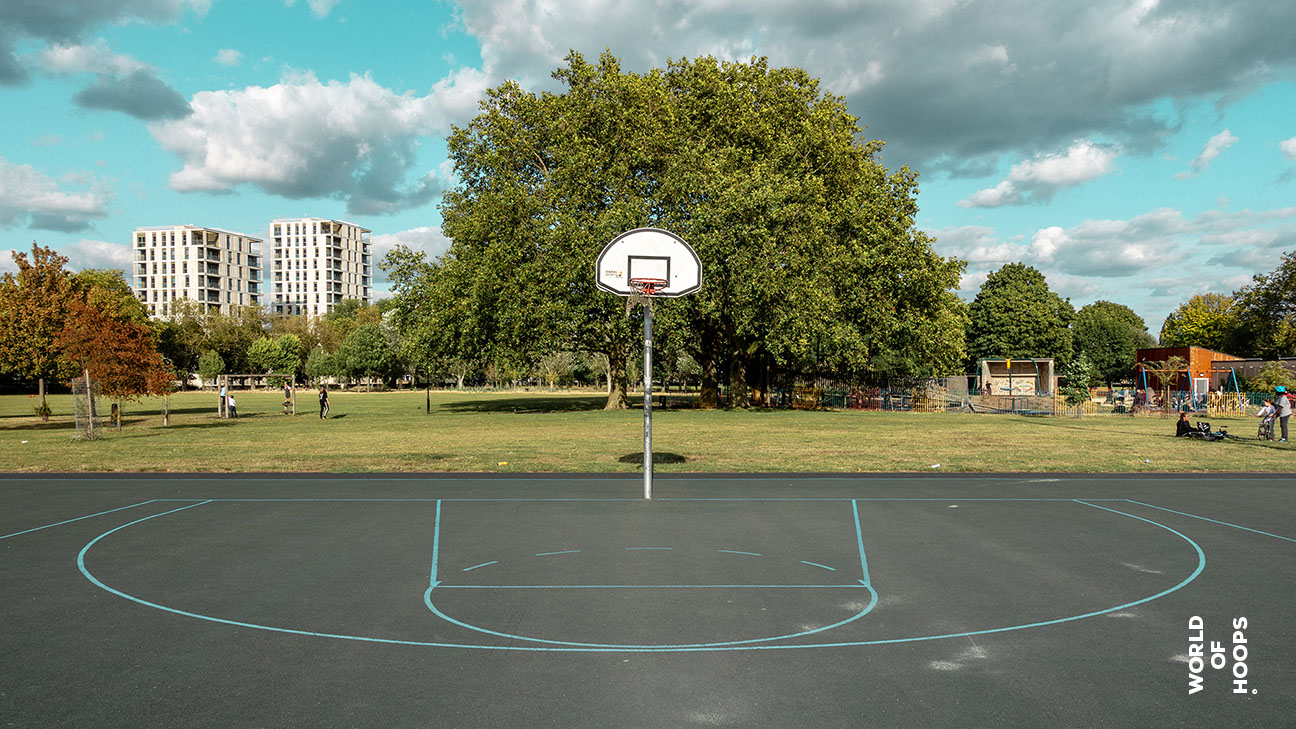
(317, 263)
(218, 268)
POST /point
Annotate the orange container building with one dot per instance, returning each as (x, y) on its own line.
(1202, 364)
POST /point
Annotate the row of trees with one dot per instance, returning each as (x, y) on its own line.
(1016, 315)
(351, 342)
(1257, 320)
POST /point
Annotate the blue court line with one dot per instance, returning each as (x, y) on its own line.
(859, 540)
(816, 564)
(569, 645)
(659, 649)
(436, 544)
(612, 499)
(1213, 521)
(622, 587)
(734, 551)
(483, 564)
(561, 551)
(645, 549)
(79, 518)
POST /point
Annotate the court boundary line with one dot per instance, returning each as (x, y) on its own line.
(762, 646)
(79, 518)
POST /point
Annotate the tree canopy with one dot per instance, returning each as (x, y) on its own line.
(810, 254)
(1206, 320)
(1108, 335)
(1266, 314)
(1016, 314)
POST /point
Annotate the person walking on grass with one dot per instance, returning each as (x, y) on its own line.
(233, 406)
(1284, 406)
(324, 403)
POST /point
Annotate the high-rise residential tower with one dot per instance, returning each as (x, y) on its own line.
(316, 263)
(217, 268)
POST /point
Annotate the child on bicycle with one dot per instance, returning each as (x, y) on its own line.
(1267, 414)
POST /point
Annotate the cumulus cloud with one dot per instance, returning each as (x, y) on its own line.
(1170, 256)
(228, 57)
(1037, 180)
(1288, 147)
(1214, 146)
(124, 84)
(354, 140)
(66, 21)
(318, 8)
(29, 197)
(96, 57)
(946, 83)
(87, 253)
(140, 94)
(428, 239)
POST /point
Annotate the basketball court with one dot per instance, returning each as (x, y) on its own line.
(782, 600)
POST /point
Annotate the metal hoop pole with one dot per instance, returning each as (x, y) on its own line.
(647, 400)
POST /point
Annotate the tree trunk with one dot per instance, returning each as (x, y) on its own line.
(89, 406)
(739, 395)
(617, 399)
(709, 391)
(41, 387)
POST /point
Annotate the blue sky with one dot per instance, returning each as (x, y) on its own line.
(1139, 151)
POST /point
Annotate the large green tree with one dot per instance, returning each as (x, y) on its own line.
(809, 250)
(1016, 315)
(367, 352)
(1109, 334)
(1266, 314)
(1205, 320)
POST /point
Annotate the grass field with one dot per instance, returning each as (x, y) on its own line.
(475, 431)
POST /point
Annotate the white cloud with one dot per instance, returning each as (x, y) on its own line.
(228, 57)
(1005, 193)
(975, 244)
(318, 8)
(28, 196)
(946, 83)
(1214, 146)
(1037, 180)
(1288, 147)
(87, 253)
(94, 58)
(427, 239)
(355, 140)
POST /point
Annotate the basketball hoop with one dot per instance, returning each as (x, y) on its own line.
(644, 289)
(648, 286)
(642, 265)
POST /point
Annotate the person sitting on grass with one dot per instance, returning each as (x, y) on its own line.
(1183, 427)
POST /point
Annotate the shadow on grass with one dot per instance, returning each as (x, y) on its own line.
(657, 457)
(528, 405)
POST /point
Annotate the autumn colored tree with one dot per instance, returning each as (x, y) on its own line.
(120, 355)
(33, 310)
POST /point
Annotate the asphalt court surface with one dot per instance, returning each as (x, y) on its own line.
(1013, 600)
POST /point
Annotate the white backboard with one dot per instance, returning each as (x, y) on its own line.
(648, 253)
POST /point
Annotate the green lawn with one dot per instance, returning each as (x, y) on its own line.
(475, 431)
